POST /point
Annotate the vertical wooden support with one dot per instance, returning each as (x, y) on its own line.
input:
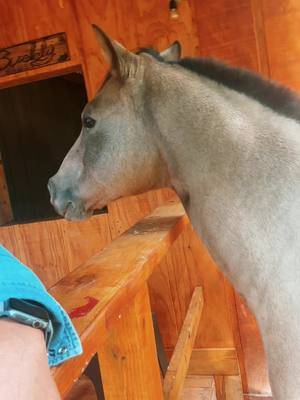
(179, 364)
(228, 387)
(128, 359)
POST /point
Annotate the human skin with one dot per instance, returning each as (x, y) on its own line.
(24, 370)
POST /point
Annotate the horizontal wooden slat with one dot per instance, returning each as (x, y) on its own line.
(96, 291)
(176, 373)
(214, 362)
(198, 388)
(229, 388)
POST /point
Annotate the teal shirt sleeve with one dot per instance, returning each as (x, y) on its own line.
(18, 281)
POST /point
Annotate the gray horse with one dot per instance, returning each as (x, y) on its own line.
(228, 142)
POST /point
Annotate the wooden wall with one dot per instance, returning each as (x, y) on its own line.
(258, 34)
(262, 35)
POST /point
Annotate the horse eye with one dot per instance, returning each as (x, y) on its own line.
(88, 122)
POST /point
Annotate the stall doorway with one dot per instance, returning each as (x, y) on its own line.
(39, 122)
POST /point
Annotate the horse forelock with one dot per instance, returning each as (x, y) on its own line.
(147, 50)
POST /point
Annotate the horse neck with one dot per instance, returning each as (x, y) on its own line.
(203, 128)
(221, 147)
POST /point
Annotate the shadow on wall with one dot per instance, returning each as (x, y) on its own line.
(39, 122)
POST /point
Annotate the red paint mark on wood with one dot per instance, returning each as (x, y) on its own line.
(85, 309)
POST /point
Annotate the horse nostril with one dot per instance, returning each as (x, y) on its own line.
(70, 205)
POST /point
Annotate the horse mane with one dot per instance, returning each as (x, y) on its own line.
(269, 93)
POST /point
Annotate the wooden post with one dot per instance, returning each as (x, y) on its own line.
(228, 387)
(128, 359)
(179, 364)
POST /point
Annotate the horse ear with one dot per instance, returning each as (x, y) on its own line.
(122, 62)
(173, 53)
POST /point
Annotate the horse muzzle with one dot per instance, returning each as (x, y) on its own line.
(65, 203)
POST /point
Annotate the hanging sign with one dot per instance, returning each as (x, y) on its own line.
(34, 54)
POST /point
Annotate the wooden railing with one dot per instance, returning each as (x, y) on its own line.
(108, 300)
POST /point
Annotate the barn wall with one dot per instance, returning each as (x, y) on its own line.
(258, 34)
(23, 20)
(281, 29)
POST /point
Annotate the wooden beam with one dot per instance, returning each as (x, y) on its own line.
(260, 36)
(229, 388)
(128, 358)
(214, 362)
(233, 388)
(220, 387)
(198, 388)
(178, 367)
(95, 293)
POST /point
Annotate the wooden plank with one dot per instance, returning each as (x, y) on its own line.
(198, 388)
(128, 360)
(111, 279)
(34, 19)
(83, 389)
(260, 35)
(171, 286)
(228, 388)
(53, 248)
(237, 334)
(54, 70)
(282, 30)
(233, 388)
(36, 53)
(191, 265)
(213, 362)
(174, 379)
(220, 35)
(253, 351)
(220, 387)
(255, 397)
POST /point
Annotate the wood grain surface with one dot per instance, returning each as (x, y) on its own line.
(36, 53)
(54, 248)
(112, 279)
(180, 360)
(198, 388)
(128, 360)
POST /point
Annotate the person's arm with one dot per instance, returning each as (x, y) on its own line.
(24, 370)
(24, 358)
(19, 282)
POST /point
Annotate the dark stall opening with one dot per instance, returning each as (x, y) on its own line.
(39, 122)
